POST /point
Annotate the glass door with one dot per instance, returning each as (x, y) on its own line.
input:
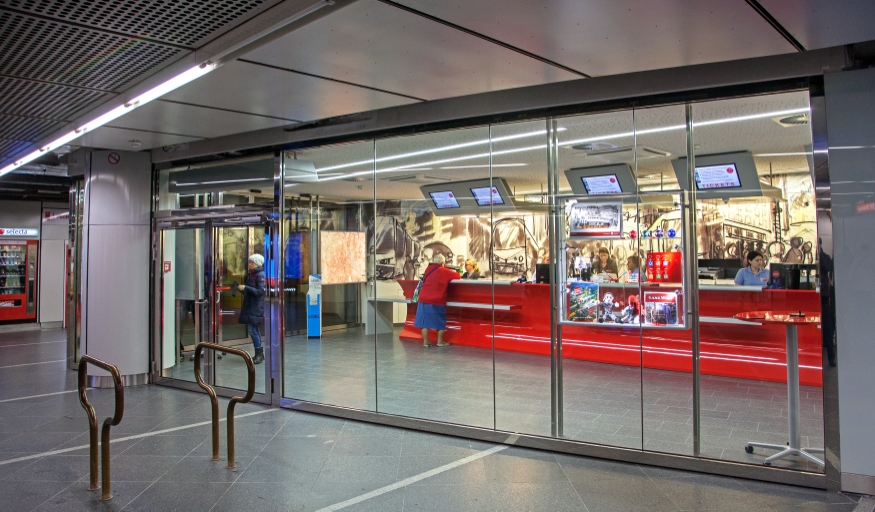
(203, 266)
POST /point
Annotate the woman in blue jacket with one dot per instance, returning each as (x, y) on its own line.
(754, 274)
(252, 312)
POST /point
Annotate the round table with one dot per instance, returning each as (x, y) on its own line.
(791, 320)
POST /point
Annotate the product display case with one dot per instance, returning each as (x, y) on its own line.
(18, 281)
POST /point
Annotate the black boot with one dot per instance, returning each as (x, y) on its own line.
(259, 356)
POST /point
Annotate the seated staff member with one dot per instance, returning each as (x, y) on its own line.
(431, 307)
(604, 263)
(754, 274)
(472, 270)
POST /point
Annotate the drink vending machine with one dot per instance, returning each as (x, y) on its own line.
(18, 279)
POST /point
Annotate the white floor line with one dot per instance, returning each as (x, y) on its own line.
(128, 438)
(39, 396)
(35, 343)
(413, 479)
(866, 504)
(31, 364)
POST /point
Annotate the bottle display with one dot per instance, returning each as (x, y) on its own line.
(12, 269)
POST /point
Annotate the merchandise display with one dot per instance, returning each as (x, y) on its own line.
(18, 282)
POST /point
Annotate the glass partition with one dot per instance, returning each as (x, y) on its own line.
(426, 213)
(328, 352)
(763, 207)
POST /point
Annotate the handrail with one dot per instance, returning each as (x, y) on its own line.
(107, 423)
(250, 390)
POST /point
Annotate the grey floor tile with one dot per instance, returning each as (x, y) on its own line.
(324, 494)
(273, 467)
(18, 496)
(141, 468)
(379, 470)
(77, 497)
(630, 494)
(262, 496)
(553, 496)
(440, 498)
(56, 468)
(178, 496)
(708, 492)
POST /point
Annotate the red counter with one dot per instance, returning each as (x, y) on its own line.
(743, 351)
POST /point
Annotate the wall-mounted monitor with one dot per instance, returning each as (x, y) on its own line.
(605, 184)
(486, 196)
(444, 199)
(602, 180)
(472, 197)
(720, 176)
(717, 176)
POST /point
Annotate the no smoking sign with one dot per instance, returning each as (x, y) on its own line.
(114, 158)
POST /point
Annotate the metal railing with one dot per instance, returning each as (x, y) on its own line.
(250, 390)
(107, 423)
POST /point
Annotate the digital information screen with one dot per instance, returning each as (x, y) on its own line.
(483, 197)
(444, 199)
(607, 184)
(717, 176)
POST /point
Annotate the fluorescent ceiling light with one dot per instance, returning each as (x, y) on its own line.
(482, 166)
(196, 183)
(146, 97)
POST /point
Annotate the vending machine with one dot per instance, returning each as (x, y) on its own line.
(18, 279)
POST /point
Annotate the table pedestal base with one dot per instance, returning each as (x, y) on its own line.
(784, 451)
(793, 447)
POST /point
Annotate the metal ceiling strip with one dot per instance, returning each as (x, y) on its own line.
(775, 24)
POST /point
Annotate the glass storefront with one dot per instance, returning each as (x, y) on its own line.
(600, 252)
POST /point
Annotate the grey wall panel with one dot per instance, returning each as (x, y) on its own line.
(118, 297)
(51, 280)
(119, 193)
(20, 214)
(850, 108)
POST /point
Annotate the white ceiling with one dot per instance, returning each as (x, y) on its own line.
(373, 54)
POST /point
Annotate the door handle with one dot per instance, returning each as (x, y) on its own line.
(226, 313)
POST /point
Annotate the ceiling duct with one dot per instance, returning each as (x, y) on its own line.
(420, 179)
(794, 120)
(618, 154)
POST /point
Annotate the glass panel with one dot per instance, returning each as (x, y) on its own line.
(766, 142)
(423, 213)
(522, 314)
(329, 206)
(234, 246)
(185, 309)
(667, 382)
(600, 334)
(212, 185)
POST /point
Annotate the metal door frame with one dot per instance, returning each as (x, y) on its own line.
(209, 219)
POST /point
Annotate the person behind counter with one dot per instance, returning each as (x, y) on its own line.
(633, 270)
(472, 270)
(431, 307)
(604, 263)
(754, 274)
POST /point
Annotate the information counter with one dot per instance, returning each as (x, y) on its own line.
(728, 347)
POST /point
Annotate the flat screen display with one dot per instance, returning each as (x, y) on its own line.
(717, 176)
(484, 198)
(607, 184)
(444, 199)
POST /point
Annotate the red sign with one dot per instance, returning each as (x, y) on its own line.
(167, 267)
(664, 267)
(114, 158)
(865, 208)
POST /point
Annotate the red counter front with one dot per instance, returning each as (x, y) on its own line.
(744, 351)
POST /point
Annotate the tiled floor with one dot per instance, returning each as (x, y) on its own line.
(602, 403)
(296, 461)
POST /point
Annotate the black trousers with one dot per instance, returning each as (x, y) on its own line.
(828, 328)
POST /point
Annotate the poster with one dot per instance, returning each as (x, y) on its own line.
(594, 220)
(661, 309)
(583, 302)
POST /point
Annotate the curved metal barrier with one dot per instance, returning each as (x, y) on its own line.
(107, 423)
(250, 390)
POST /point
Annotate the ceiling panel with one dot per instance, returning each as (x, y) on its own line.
(121, 139)
(191, 121)
(377, 45)
(269, 91)
(37, 99)
(40, 49)
(25, 128)
(824, 23)
(606, 37)
(182, 22)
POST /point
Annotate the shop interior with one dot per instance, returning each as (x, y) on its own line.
(369, 216)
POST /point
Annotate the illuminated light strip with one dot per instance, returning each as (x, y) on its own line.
(483, 166)
(156, 92)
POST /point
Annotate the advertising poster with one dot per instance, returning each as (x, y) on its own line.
(661, 309)
(594, 220)
(664, 267)
(583, 302)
